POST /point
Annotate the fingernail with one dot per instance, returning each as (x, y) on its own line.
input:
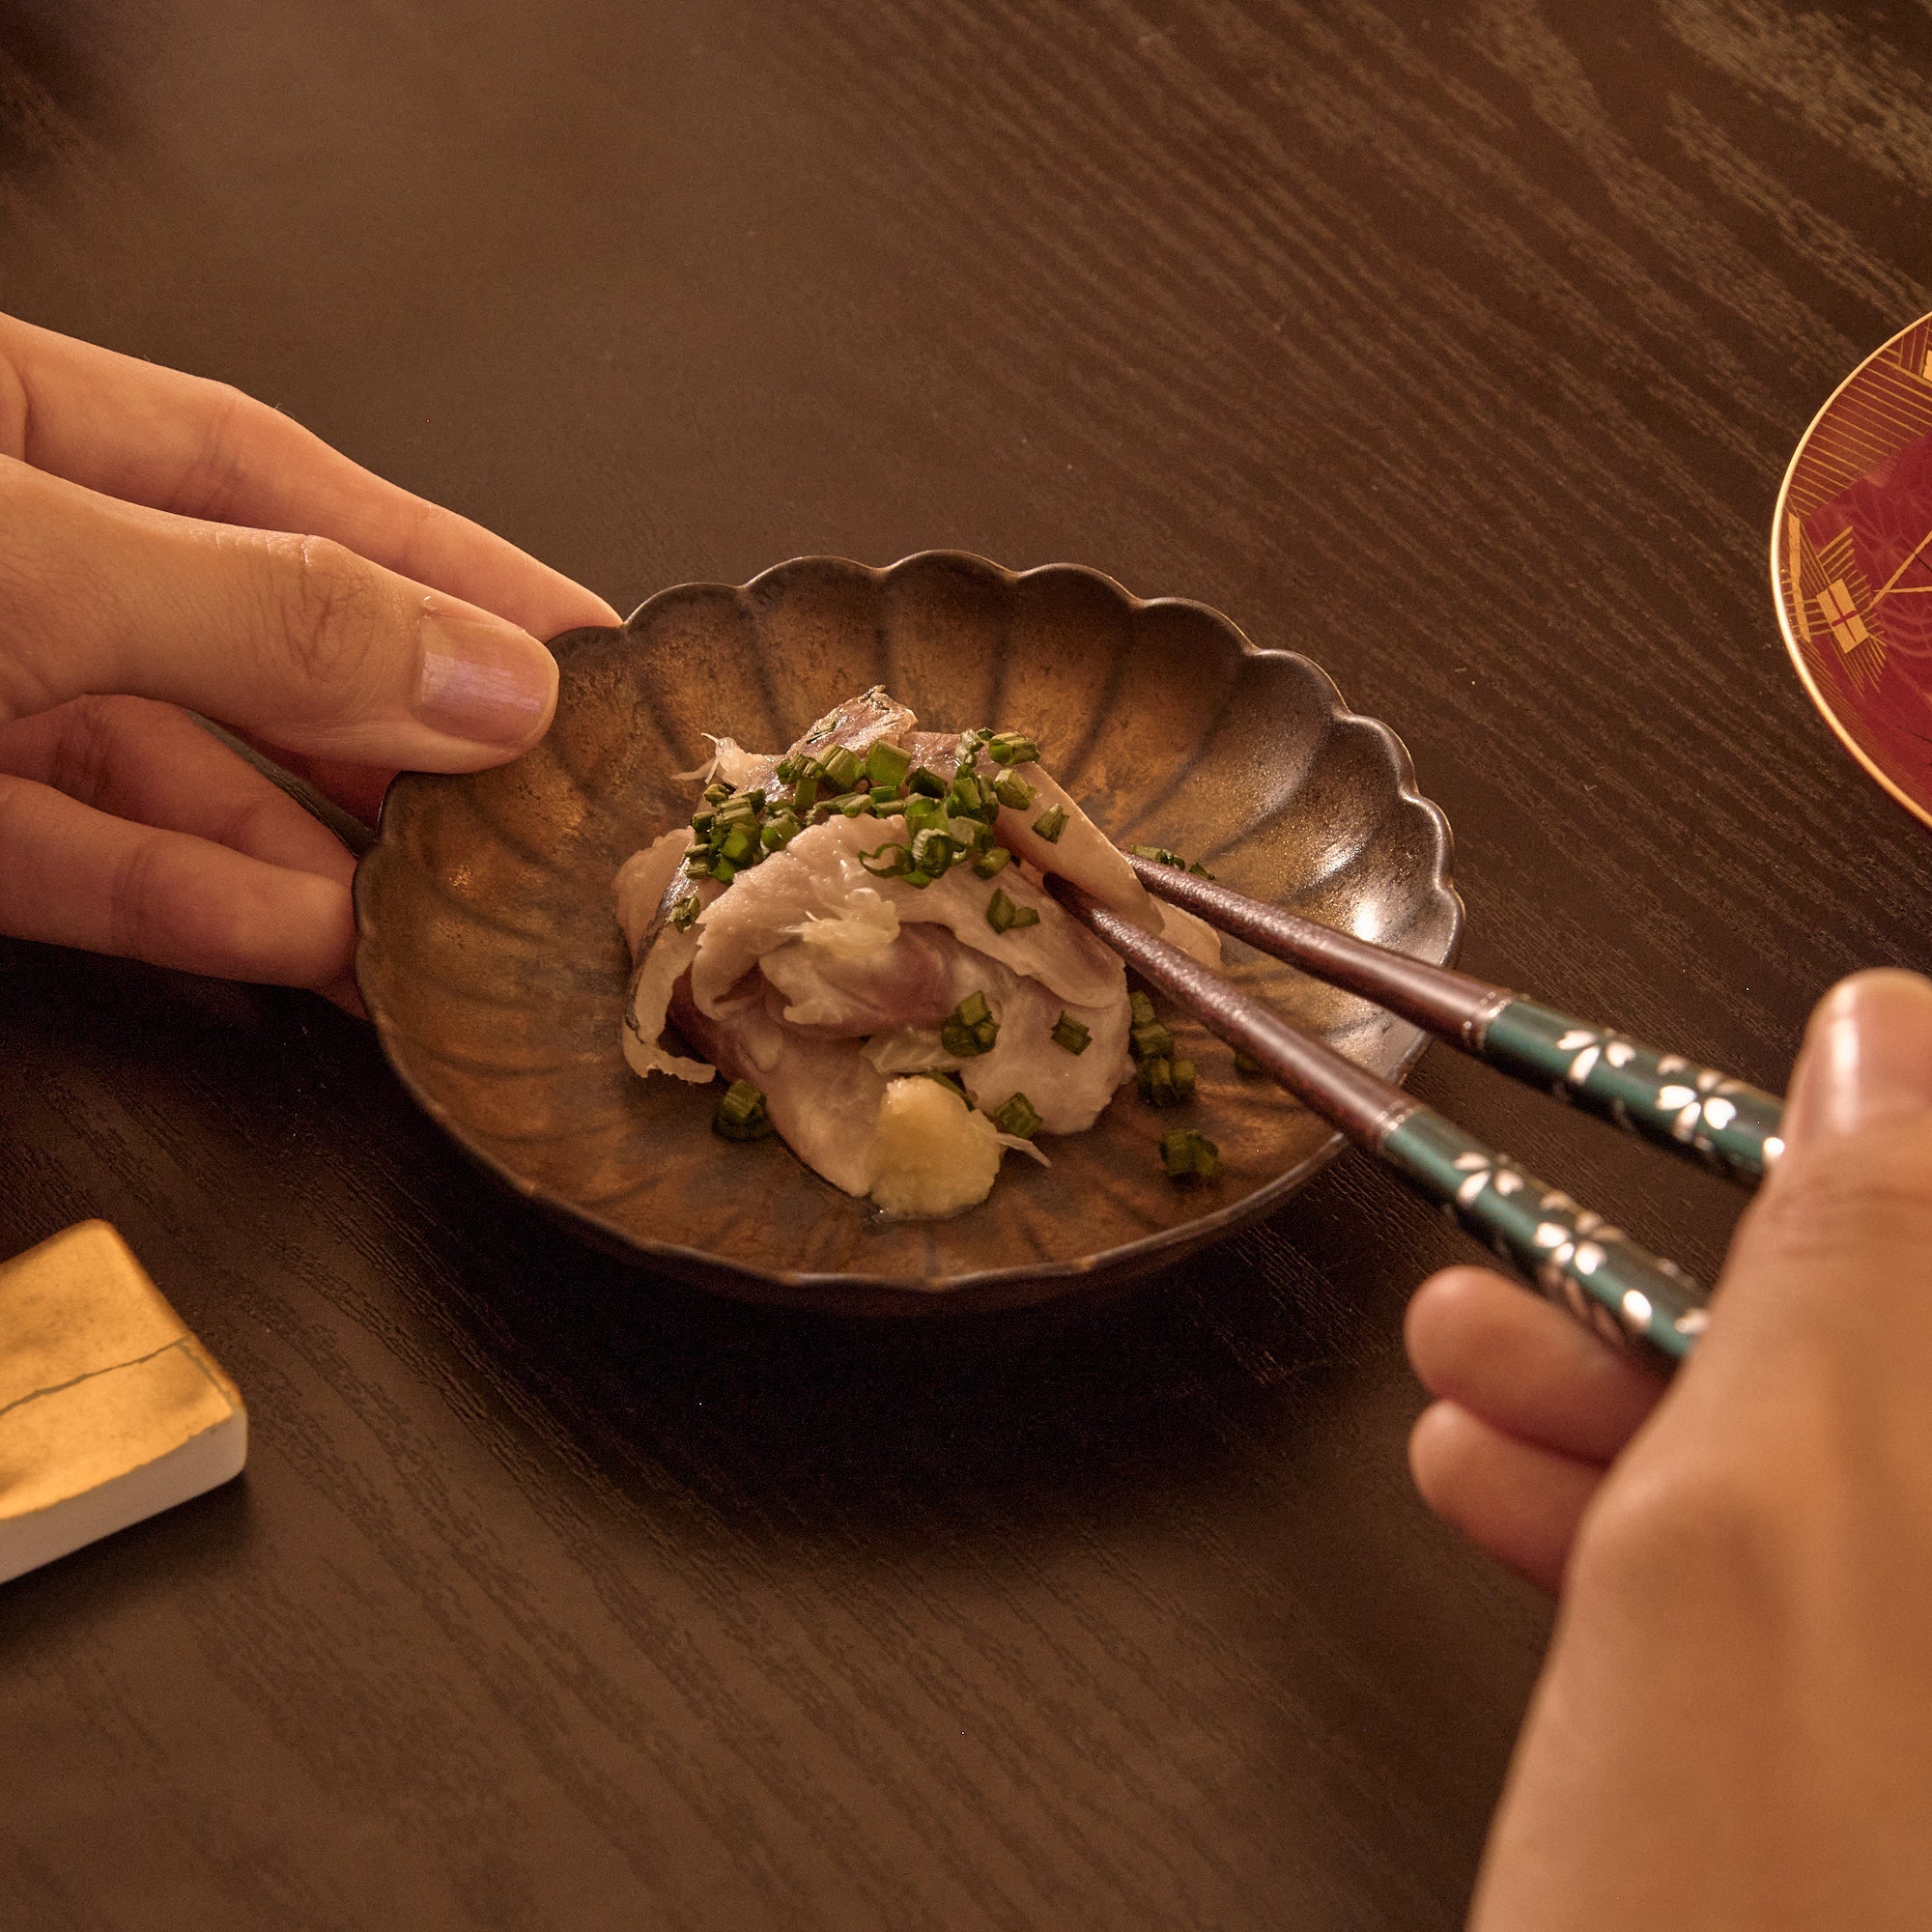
(482, 679)
(1868, 1058)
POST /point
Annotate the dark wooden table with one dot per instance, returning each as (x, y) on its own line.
(1461, 346)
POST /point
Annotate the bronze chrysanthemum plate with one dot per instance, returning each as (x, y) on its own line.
(492, 967)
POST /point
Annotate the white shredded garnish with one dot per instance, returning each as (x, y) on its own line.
(866, 923)
(909, 1050)
(729, 762)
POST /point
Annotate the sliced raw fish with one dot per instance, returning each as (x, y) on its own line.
(1082, 853)
(827, 982)
(822, 1094)
(820, 877)
(851, 991)
(1068, 1091)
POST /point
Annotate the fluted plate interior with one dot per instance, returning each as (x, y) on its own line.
(492, 967)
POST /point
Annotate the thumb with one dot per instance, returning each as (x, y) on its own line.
(1840, 1243)
(292, 636)
(1866, 1065)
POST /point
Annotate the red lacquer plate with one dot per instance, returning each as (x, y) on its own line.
(1851, 565)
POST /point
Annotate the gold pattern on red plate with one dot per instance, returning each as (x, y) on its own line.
(1852, 564)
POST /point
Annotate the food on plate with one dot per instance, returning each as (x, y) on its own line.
(857, 934)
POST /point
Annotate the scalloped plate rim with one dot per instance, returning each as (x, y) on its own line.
(905, 1294)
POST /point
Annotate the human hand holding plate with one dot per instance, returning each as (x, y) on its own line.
(172, 547)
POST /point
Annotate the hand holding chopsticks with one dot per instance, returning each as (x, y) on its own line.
(1628, 1296)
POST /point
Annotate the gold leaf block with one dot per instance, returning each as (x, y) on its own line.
(110, 1410)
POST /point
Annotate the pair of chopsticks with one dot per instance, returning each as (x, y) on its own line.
(1631, 1298)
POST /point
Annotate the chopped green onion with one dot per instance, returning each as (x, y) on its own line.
(931, 852)
(970, 1029)
(700, 821)
(741, 1114)
(723, 870)
(1071, 1034)
(888, 794)
(736, 847)
(840, 767)
(1142, 1009)
(700, 850)
(789, 769)
(969, 835)
(886, 764)
(1246, 1063)
(1011, 748)
(925, 781)
(684, 911)
(1010, 789)
(1050, 824)
(1000, 911)
(916, 877)
(780, 829)
(1167, 1083)
(697, 866)
(807, 794)
(716, 794)
(1189, 1156)
(967, 755)
(989, 864)
(887, 862)
(925, 814)
(857, 806)
(1161, 856)
(1151, 1041)
(963, 797)
(1017, 1117)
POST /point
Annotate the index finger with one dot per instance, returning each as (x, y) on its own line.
(178, 442)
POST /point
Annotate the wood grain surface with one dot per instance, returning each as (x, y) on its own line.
(1460, 345)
